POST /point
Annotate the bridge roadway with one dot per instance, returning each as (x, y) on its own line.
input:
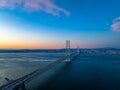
(12, 84)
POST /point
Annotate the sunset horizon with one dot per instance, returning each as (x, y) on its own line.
(49, 23)
(59, 44)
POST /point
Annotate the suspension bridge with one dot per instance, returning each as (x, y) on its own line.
(19, 84)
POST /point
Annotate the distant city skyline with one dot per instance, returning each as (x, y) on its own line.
(45, 24)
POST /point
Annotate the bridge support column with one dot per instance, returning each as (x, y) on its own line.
(68, 50)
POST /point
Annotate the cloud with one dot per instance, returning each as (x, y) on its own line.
(47, 6)
(116, 25)
(116, 19)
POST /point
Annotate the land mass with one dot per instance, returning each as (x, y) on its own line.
(82, 50)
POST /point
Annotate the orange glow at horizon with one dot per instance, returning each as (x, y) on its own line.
(13, 38)
(27, 45)
(39, 45)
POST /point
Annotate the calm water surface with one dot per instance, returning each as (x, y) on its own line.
(87, 72)
(15, 65)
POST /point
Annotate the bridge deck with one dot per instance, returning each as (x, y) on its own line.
(14, 83)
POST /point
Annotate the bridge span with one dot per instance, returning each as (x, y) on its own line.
(19, 84)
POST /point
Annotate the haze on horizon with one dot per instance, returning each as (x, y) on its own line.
(49, 23)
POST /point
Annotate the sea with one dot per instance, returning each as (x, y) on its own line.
(85, 72)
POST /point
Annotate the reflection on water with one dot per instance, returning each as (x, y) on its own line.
(41, 81)
(87, 72)
(15, 65)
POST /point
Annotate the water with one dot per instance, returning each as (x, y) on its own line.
(87, 72)
(15, 65)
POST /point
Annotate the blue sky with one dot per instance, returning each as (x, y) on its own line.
(48, 23)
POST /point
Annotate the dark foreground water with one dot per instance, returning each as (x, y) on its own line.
(87, 72)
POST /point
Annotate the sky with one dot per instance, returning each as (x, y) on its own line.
(49, 23)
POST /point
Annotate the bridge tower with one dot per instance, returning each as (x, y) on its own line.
(68, 50)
